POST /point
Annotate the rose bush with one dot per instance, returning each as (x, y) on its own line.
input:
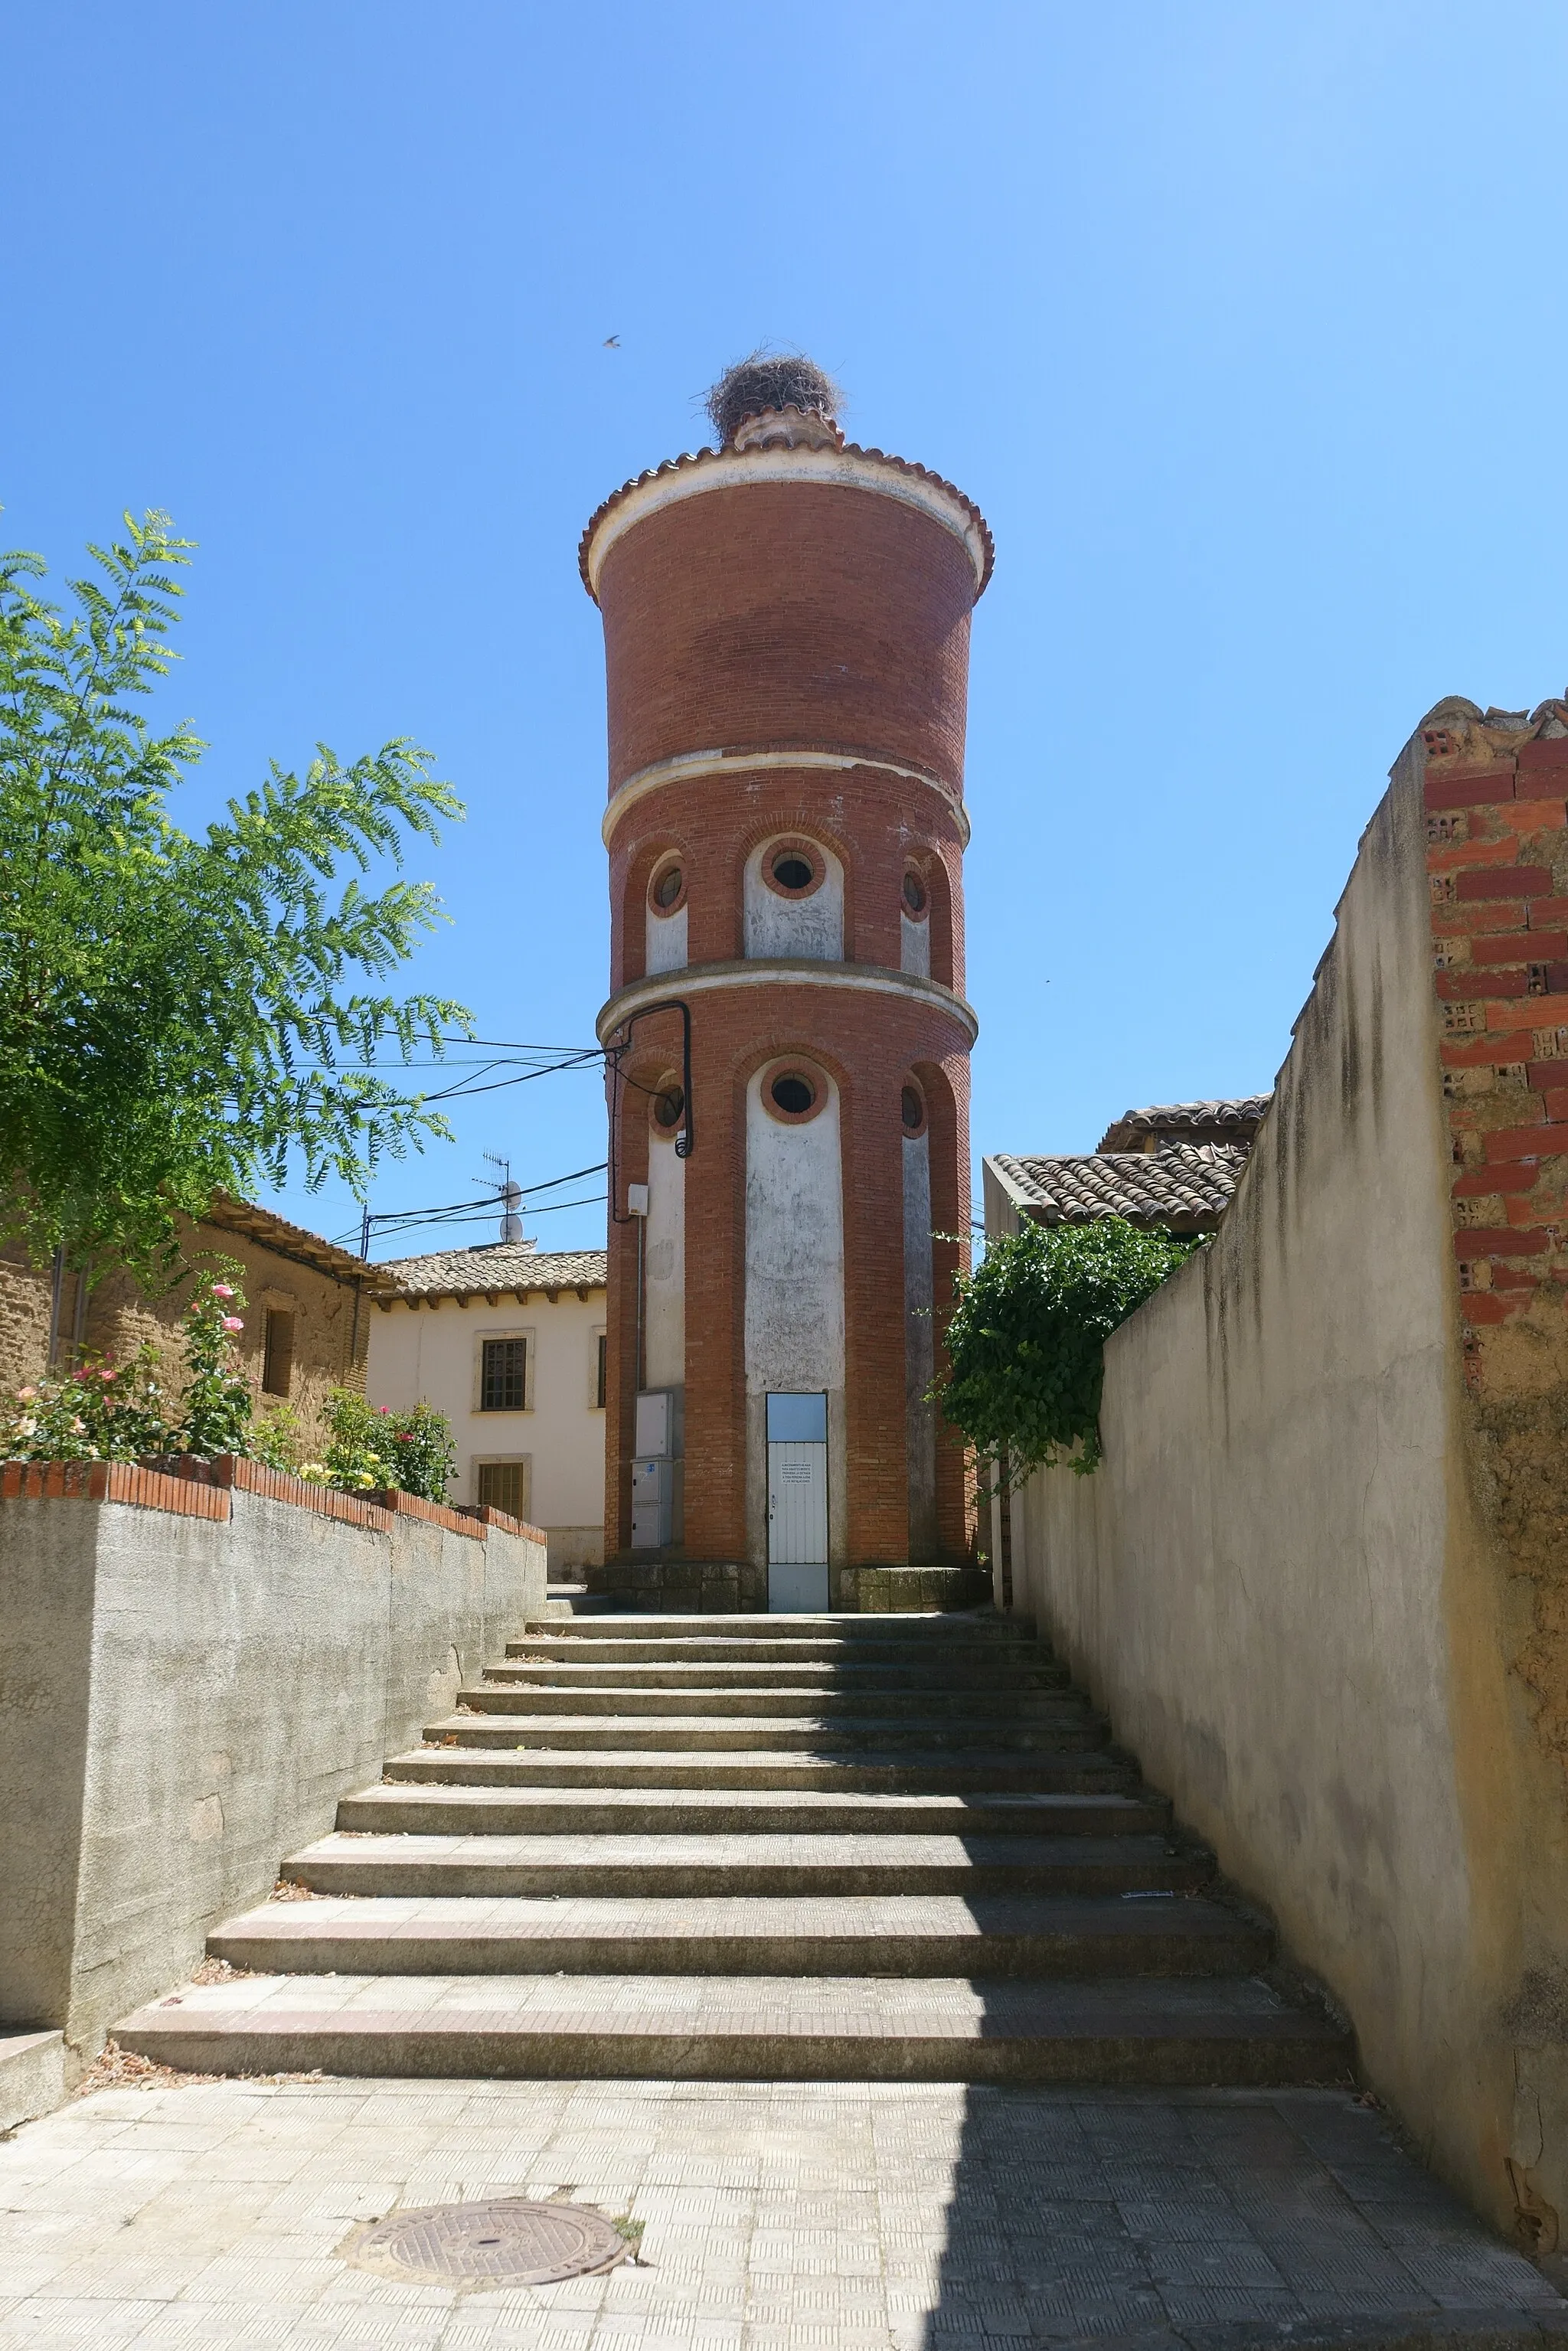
(99, 1411)
(372, 1446)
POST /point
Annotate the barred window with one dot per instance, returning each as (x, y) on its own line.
(504, 1485)
(503, 1375)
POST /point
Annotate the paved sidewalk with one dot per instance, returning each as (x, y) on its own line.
(874, 2217)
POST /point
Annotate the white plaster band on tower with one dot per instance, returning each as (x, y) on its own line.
(851, 979)
(838, 469)
(688, 766)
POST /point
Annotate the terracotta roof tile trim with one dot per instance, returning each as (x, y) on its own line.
(501, 1269)
(849, 449)
(1191, 1181)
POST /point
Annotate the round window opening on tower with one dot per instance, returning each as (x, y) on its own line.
(792, 1093)
(912, 1109)
(914, 899)
(794, 868)
(669, 1108)
(667, 890)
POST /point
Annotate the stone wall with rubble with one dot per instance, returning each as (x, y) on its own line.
(119, 1314)
(1320, 1580)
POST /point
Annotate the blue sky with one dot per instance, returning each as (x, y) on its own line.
(1244, 325)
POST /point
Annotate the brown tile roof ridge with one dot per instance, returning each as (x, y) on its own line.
(495, 1266)
(1236, 1118)
(706, 457)
(272, 1231)
(1187, 1187)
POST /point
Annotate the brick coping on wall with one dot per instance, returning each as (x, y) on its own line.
(192, 1487)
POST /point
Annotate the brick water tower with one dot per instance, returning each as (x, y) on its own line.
(787, 643)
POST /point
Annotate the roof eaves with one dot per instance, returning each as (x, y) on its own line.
(293, 1241)
(849, 449)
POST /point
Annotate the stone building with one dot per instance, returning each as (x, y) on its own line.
(787, 625)
(306, 1316)
(509, 1342)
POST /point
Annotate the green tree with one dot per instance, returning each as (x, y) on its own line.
(1026, 1341)
(181, 1013)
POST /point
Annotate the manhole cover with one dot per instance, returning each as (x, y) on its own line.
(506, 2242)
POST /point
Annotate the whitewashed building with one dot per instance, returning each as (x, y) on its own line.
(509, 1342)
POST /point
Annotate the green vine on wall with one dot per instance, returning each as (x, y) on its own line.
(1026, 1341)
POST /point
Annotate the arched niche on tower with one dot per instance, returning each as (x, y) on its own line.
(925, 916)
(794, 1108)
(936, 1223)
(792, 898)
(653, 909)
(664, 1253)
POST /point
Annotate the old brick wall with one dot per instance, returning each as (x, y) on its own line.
(787, 614)
(120, 1316)
(1497, 859)
(1320, 1579)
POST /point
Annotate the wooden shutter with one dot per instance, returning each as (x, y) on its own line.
(278, 1352)
(504, 1485)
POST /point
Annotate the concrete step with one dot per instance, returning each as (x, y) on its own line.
(959, 1626)
(32, 2073)
(507, 1692)
(515, 1725)
(1130, 2030)
(476, 1753)
(579, 1647)
(921, 1683)
(442, 1862)
(457, 1806)
(872, 1935)
(566, 1600)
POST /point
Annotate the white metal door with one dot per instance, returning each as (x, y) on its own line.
(797, 1505)
(798, 1501)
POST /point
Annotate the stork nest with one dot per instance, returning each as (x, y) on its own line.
(765, 379)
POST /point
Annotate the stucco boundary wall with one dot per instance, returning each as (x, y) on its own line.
(1319, 1581)
(198, 1660)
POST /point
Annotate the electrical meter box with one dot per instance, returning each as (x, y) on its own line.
(654, 1496)
(659, 1425)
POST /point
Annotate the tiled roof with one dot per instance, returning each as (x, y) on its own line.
(1184, 1189)
(272, 1232)
(1197, 1122)
(496, 1266)
(848, 449)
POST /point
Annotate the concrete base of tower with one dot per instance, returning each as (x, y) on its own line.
(661, 1583)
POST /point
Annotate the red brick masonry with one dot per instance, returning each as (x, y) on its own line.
(194, 1487)
(1497, 862)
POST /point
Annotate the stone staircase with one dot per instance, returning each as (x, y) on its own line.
(754, 1847)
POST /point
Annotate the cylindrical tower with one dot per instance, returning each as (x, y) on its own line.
(787, 631)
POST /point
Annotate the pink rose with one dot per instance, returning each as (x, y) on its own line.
(221, 1289)
(233, 1322)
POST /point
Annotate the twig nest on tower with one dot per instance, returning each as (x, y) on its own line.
(787, 388)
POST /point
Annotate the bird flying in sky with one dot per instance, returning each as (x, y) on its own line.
(612, 342)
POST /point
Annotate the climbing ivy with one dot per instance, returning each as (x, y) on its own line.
(1026, 1341)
